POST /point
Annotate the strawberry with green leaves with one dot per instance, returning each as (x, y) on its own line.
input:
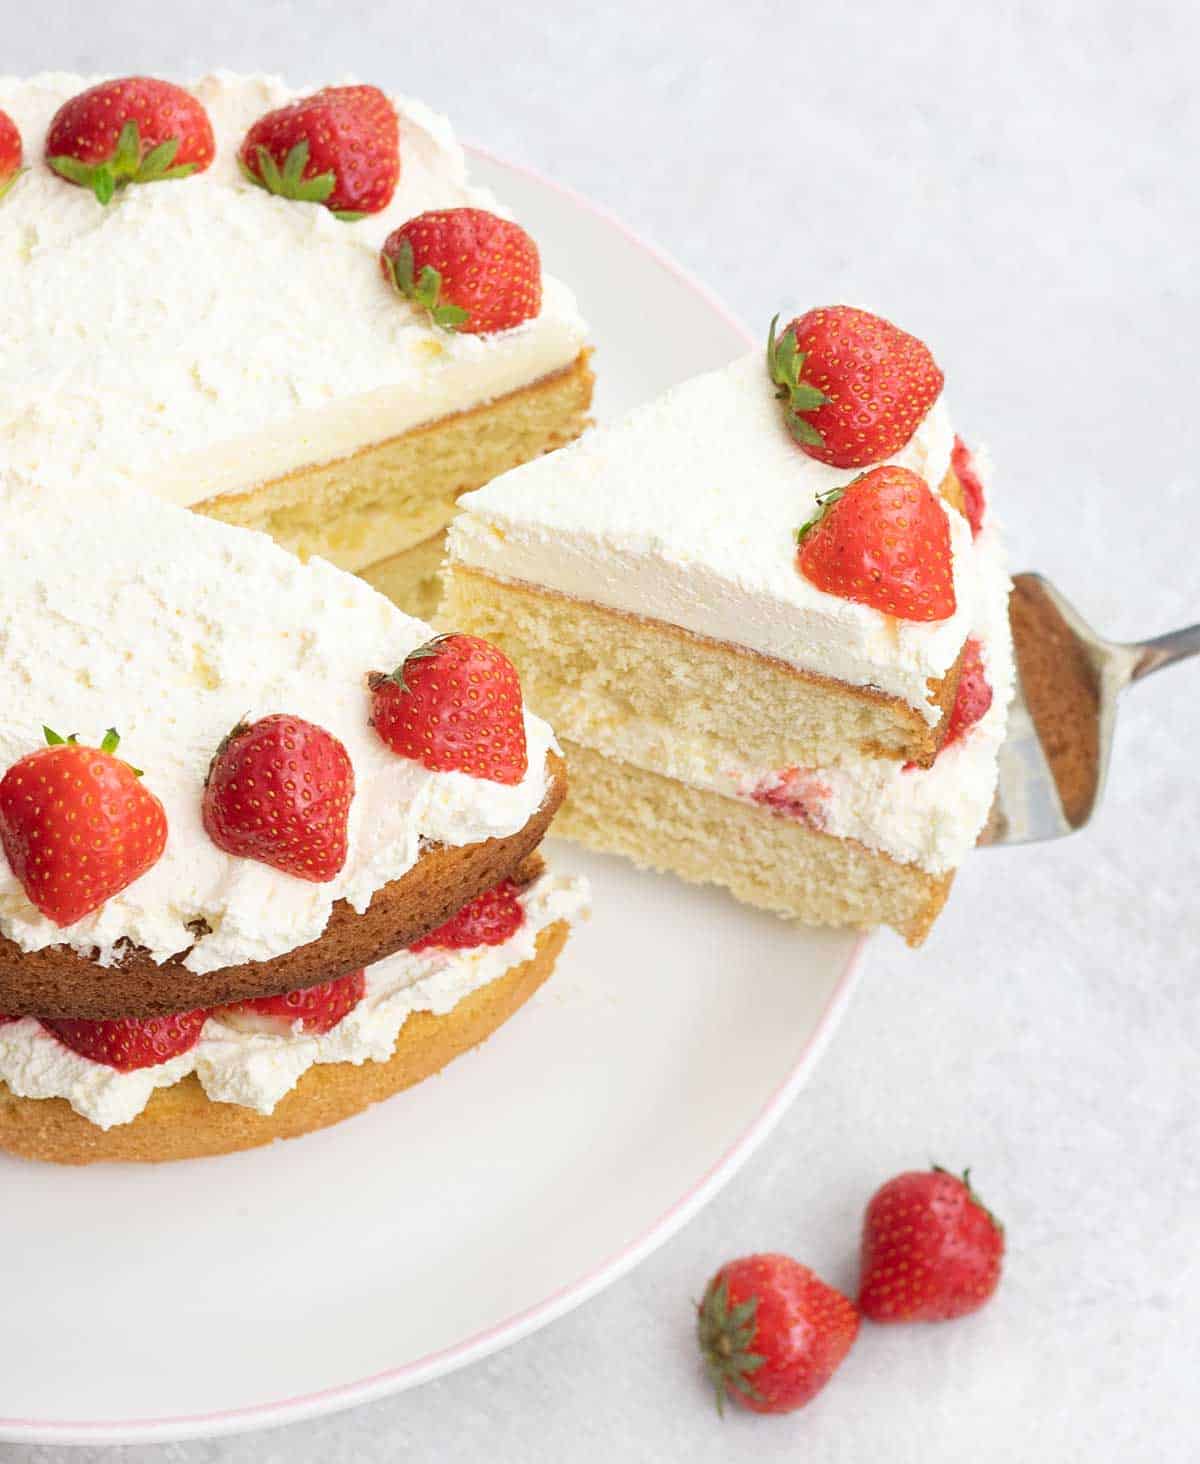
(930, 1250)
(339, 147)
(129, 1043)
(11, 154)
(854, 387)
(772, 1333)
(882, 540)
(454, 705)
(78, 825)
(468, 269)
(133, 130)
(279, 790)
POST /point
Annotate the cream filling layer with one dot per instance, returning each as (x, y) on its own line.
(172, 628)
(927, 817)
(686, 512)
(255, 1069)
(201, 336)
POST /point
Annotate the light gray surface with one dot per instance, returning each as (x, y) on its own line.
(1017, 185)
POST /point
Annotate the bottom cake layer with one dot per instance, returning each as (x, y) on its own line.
(411, 579)
(777, 863)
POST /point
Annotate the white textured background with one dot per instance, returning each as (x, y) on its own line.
(1017, 183)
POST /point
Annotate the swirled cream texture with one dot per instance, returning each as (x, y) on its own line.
(200, 336)
(172, 627)
(256, 1069)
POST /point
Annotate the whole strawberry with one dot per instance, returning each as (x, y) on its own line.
(454, 706)
(339, 147)
(970, 483)
(78, 825)
(471, 271)
(489, 919)
(279, 790)
(127, 1043)
(930, 1251)
(974, 695)
(317, 1009)
(11, 156)
(854, 386)
(772, 1333)
(134, 130)
(883, 540)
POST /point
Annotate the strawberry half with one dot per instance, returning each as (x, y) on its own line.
(854, 386)
(134, 130)
(489, 919)
(318, 1009)
(930, 1251)
(127, 1043)
(883, 540)
(454, 706)
(471, 271)
(339, 147)
(11, 155)
(78, 826)
(279, 790)
(974, 695)
(971, 484)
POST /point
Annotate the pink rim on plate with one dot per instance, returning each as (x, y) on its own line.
(521, 1324)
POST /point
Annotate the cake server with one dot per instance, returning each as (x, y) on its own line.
(1055, 758)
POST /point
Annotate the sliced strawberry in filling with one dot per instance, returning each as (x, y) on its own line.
(969, 481)
(489, 919)
(794, 793)
(129, 1043)
(318, 1009)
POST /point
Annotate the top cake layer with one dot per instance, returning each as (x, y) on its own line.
(121, 611)
(685, 512)
(202, 336)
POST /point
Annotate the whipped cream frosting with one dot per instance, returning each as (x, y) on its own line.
(930, 817)
(200, 336)
(685, 512)
(256, 1068)
(123, 611)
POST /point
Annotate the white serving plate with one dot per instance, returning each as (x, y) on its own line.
(464, 1214)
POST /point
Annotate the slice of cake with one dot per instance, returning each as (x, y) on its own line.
(812, 724)
(221, 333)
(305, 783)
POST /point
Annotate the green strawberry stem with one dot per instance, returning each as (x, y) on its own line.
(726, 1336)
(965, 1178)
(425, 290)
(7, 183)
(289, 182)
(785, 363)
(127, 165)
(109, 743)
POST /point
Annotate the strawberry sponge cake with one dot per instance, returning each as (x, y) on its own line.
(311, 321)
(302, 875)
(767, 613)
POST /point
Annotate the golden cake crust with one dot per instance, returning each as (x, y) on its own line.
(182, 1122)
(60, 982)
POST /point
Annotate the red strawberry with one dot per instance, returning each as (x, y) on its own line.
(78, 825)
(10, 153)
(772, 1333)
(5, 1020)
(455, 706)
(974, 695)
(930, 1251)
(856, 387)
(316, 1008)
(472, 271)
(135, 130)
(339, 147)
(884, 541)
(969, 481)
(793, 793)
(126, 1043)
(279, 790)
(488, 919)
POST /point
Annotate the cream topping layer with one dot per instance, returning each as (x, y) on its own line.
(202, 336)
(255, 1069)
(685, 512)
(172, 628)
(930, 817)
